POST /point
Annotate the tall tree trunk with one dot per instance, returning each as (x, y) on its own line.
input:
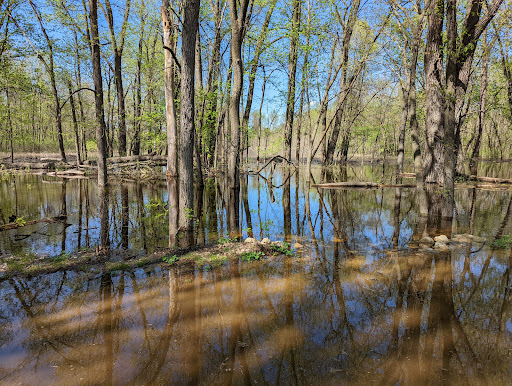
(475, 154)
(98, 95)
(413, 118)
(433, 161)
(11, 131)
(138, 85)
(238, 19)
(170, 92)
(292, 71)
(255, 62)
(117, 48)
(344, 88)
(75, 125)
(186, 161)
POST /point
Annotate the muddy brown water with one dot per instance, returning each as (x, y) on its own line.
(360, 303)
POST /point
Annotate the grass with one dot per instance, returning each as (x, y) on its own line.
(503, 242)
(117, 266)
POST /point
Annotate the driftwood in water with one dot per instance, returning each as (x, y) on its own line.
(14, 225)
(360, 185)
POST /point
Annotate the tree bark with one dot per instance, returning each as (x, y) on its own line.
(292, 71)
(475, 154)
(433, 162)
(344, 88)
(117, 48)
(186, 161)
(170, 92)
(98, 95)
(75, 125)
(238, 19)
(138, 86)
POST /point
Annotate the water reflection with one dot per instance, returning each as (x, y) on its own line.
(361, 303)
(354, 319)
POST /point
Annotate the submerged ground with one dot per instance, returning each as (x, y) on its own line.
(362, 301)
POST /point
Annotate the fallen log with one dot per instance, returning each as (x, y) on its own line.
(14, 225)
(348, 184)
(70, 172)
(132, 158)
(29, 165)
(360, 185)
(491, 179)
(139, 163)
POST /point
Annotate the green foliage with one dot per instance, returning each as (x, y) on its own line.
(266, 226)
(20, 221)
(503, 242)
(284, 249)
(170, 259)
(252, 256)
(225, 240)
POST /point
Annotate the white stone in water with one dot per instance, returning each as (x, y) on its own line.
(266, 241)
(442, 239)
(250, 240)
(427, 240)
(442, 247)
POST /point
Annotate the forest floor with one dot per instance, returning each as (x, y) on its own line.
(92, 262)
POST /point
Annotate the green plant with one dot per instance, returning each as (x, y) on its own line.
(504, 241)
(283, 249)
(225, 240)
(20, 221)
(266, 226)
(117, 266)
(60, 258)
(252, 256)
(170, 259)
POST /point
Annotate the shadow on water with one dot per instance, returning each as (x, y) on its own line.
(362, 302)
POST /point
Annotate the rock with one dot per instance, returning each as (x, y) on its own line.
(442, 239)
(298, 246)
(250, 240)
(467, 238)
(478, 239)
(442, 247)
(266, 241)
(278, 244)
(462, 238)
(428, 241)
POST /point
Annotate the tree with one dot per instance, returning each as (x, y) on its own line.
(117, 48)
(238, 15)
(292, 71)
(446, 86)
(98, 94)
(187, 130)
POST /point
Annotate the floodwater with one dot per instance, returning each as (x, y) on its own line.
(360, 303)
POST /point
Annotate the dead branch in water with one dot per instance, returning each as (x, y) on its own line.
(273, 159)
(360, 184)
